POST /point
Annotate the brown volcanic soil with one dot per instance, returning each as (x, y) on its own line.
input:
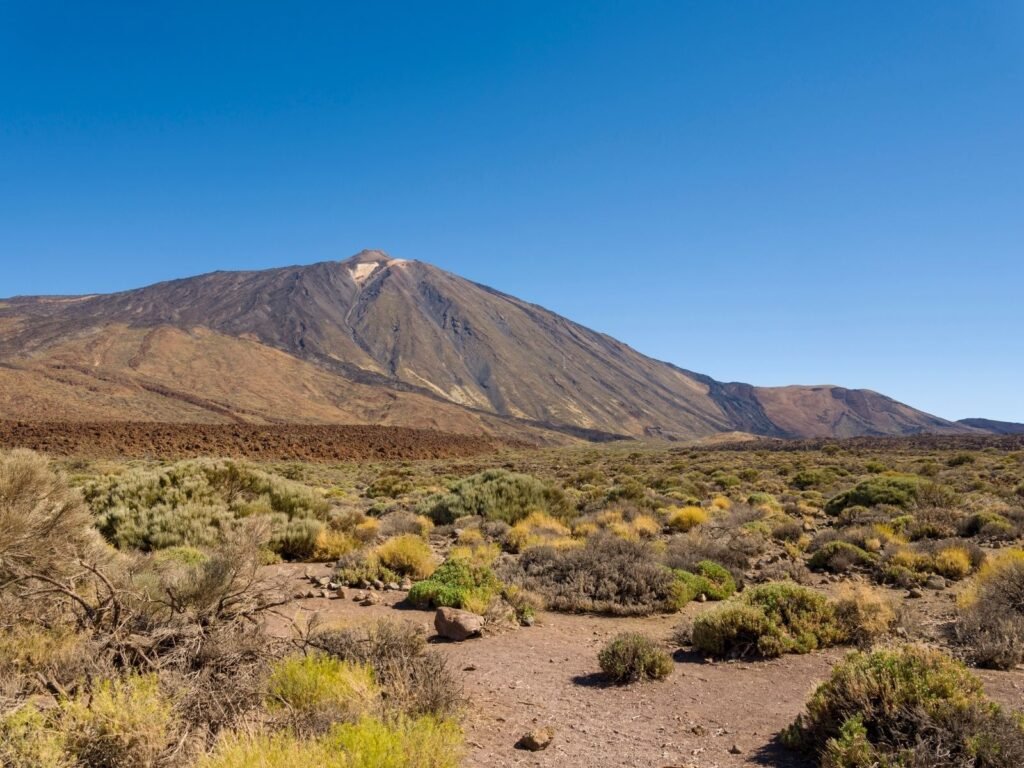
(294, 442)
(521, 679)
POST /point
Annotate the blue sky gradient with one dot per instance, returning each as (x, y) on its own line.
(773, 192)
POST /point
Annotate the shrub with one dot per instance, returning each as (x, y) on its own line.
(406, 743)
(415, 681)
(127, 723)
(197, 503)
(497, 494)
(632, 657)
(27, 740)
(363, 566)
(896, 490)
(317, 690)
(407, 555)
(864, 615)
(840, 557)
(606, 575)
(952, 562)
(536, 529)
(457, 583)
(43, 523)
(711, 580)
(331, 544)
(685, 518)
(769, 620)
(910, 706)
(990, 622)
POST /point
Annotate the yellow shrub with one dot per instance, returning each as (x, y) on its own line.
(685, 518)
(423, 742)
(721, 503)
(368, 530)
(952, 562)
(995, 571)
(331, 544)
(125, 722)
(27, 740)
(585, 529)
(482, 554)
(912, 560)
(646, 527)
(471, 537)
(408, 555)
(865, 614)
(321, 683)
(609, 518)
(537, 528)
(426, 525)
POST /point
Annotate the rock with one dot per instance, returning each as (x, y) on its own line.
(735, 750)
(538, 739)
(323, 581)
(326, 594)
(702, 598)
(935, 582)
(310, 593)
(914, 592)
(362, 584)
(358, 597)
(372, 598)
(298, 595)
(453, 624)
(406, 584)
(340, 593)
(391, 586)
(527, 620)
(378, 584)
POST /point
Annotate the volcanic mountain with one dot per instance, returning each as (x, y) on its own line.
(378, 340)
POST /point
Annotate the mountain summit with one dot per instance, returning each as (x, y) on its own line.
(374, 339)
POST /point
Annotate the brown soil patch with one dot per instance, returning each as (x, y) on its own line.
(521, 679)
(293, 442)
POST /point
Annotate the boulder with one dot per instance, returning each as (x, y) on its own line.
(453, 624)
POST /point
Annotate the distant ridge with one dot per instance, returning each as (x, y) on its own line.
(995, 427)
(378, 340)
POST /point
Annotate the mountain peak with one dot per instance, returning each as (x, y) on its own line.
(368, 255)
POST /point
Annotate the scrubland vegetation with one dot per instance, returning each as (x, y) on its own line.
(135, 595)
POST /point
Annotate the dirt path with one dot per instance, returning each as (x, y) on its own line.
(547, 675)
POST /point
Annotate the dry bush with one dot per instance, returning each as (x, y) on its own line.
(407, 555)
(990, 623)
(865, 615)
(607, 575)
(315, 691)
(414, 681)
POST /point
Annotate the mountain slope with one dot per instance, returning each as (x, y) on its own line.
(995, 427)
(375, 339)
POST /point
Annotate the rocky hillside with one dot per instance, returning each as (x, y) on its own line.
(377, 340)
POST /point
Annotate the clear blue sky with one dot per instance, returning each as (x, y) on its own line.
(774, 192)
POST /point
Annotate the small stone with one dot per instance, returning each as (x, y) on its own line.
(915, 593)
(702, 598)
(339, 593)
(378, 584)
(698, 730)
(735, 750)
(323, 581)
(310, 593)
(537, 740)
(358, 597)
(406, 584)
(372, 598)
(391, 586)
(325, 594)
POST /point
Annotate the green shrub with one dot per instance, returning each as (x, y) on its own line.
(497, 494)
(27, 740)
(711, 580)
(769, 620)
(457, 583)
(911, 706)
(840, 557)
(895, 490)
(197, 503)
(632, 657)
